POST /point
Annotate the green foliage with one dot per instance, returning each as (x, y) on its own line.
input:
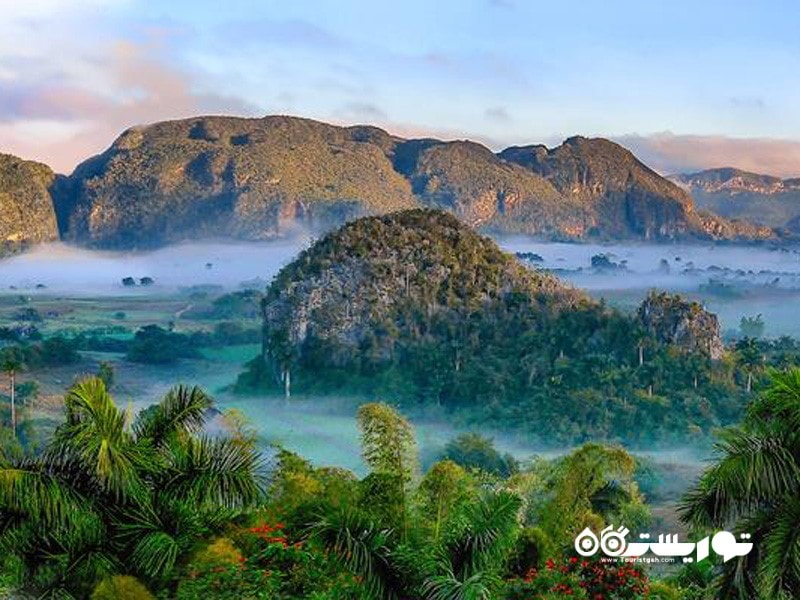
(752, 327)
(590, 487)
(105, 372)
(434, 314)
(754, 487)
(153, 344)
(387, 441)
(121, 587)
(532, 547)
(110, 496)
(474, 451)
(26, 206)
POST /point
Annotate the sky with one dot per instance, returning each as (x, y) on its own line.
(685, 85)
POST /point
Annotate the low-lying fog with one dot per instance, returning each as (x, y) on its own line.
(70, 271)
(733, 281)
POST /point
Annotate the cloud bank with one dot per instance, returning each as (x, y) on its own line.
(669, 153)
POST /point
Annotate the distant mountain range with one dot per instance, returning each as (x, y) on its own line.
(256, 179)
(737, 194)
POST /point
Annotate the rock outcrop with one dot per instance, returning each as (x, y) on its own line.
(625, 199)
(736, 194)
(256, 179)
(27, 215)
(674, 320)
(361, 292)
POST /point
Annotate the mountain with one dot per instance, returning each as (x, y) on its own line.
(229, 177)
(737, 194)
(417, 307)
(262, 178)
(625, 198)
(26, 207)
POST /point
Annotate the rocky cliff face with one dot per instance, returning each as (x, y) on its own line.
(623, 196)
(486, 191)
(361, 292)
(262, 178)
(736, 194)
(26, 207)
(675, 320)
(735, 181)
(228, 177)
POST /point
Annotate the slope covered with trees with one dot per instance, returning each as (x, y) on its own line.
(417, 306)
(261, 178)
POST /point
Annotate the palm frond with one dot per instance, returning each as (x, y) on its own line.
(96, 432)
(181, 411)
(756, 466)
(480, 536)
(28, 490)
(478, 586)
(155, 554)
(780, 401)
(216, 471)
(779, 551)
(362, 546)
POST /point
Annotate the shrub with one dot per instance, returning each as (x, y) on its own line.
(121, 587)
(581, 578)
(155, 345)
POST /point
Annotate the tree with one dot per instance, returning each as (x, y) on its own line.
(11, 361)
(750, 357)
(155, 345)
(389, 447)
(592, 486)
(754, 487)
(105, 371)
(388, 444)
(752, 327)
(114, 496)
(472, 450)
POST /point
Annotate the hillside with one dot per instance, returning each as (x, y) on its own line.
(26, 208)
(417, 307)
(624, 197)
(263, 178)
(737, 194)
(228, 177)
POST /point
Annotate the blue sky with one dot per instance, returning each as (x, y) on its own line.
(684, 84)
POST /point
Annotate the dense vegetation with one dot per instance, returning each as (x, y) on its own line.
(755, 488)
(416, 307)
(122, 507)
(627, 199)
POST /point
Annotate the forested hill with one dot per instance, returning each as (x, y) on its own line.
(417, 307)
(262, 178)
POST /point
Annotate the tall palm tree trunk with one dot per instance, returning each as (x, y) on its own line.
(13, 404)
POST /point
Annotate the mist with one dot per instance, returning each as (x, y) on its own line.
(70, 271)
(731, 281)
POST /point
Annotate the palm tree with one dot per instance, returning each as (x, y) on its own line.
(11, 362)
(754, 487)
(464, 564)
(115, 495)
(459, 555)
